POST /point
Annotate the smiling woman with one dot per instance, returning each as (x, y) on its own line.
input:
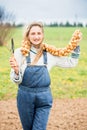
(30, 70)
(36, 36)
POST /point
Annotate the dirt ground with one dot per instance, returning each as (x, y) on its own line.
(66, 114)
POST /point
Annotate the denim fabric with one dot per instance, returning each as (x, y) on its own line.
(34, 108)
(36, 76)
(34, 99)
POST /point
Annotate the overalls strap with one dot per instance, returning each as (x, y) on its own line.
(28, 59)
(45, 57)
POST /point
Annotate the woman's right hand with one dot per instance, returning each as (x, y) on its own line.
(14, 64)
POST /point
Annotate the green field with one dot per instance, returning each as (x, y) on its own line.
(65, 83)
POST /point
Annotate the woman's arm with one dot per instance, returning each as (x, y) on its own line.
(64, 61)
(71, 61)
(15, 63)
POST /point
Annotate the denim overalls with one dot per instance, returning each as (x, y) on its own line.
(34, 98)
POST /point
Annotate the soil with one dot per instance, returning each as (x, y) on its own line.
(66, 114)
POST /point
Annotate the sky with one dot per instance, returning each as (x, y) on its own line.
(47, 11)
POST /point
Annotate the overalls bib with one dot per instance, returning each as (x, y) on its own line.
(34, 98)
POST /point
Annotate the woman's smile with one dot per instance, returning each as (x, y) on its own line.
(36, 35)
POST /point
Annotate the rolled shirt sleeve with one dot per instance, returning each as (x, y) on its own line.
(16, 78)
(76, 52)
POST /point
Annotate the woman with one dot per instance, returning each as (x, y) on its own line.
(30, 65)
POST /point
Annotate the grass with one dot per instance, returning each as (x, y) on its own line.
(65, 83)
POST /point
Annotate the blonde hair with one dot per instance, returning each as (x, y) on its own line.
(26, 45)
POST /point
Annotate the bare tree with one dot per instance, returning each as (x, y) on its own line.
(6, 25)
